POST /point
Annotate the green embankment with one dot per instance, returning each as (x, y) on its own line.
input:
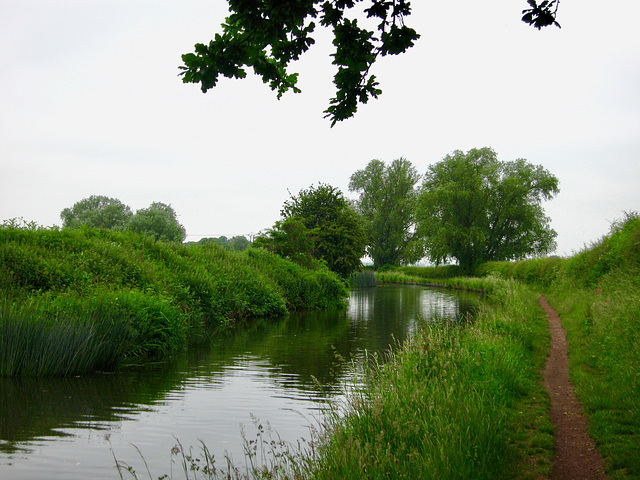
(75, 301)
(597, 293)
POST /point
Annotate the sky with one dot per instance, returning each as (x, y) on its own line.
(91, 103)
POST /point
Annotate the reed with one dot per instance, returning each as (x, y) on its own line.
(363, 279)
(33, 345)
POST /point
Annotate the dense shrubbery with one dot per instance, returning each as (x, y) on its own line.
(158, 294)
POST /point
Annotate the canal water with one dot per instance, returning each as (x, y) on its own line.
(277, 373)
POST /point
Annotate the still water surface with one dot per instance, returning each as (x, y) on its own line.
(280, 372)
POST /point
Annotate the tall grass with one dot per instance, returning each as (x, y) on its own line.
(454, 403)
(597, 295)
(32, 345)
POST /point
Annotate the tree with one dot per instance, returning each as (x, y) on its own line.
(290, 239)
(267, 35)
(239, 243)
(319, 224)
(97, 211)
(159, 221)
(474, 208)
(387, 203)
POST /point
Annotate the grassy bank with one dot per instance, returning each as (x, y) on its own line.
(452, 403)
(114, 295)
(597, 293)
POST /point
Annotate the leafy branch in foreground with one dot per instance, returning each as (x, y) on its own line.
(267, 35)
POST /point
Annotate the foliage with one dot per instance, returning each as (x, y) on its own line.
(541, 15)
(159, 221)
(238, 242)
(388, 203)
(318, 224)
(474, 208)
(268, 36)
(161, 295)
(540, 272)
(290, 239)
(621, 246)
(97, 211)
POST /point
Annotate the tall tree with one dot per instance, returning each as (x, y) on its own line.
(387, 203)
(319, 223)
(158, 221)
(267, 35)
(474, 208)
(97, 211)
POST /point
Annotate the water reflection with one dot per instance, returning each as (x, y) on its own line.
(277, 370)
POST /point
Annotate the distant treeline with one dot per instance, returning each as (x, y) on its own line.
(108, 295)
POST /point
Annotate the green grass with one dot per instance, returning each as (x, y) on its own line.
(597, 293)
(603, 331)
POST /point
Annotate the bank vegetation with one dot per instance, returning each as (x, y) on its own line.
(76, 301)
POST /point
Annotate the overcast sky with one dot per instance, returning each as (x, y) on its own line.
(91, 104)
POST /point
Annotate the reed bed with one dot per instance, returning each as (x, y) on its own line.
(32, 345)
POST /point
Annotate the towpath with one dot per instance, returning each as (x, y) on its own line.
(576, 455)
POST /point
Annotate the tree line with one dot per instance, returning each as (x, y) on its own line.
(468, 209)
(158, 221)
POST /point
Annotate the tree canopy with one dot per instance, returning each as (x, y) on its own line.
(474, 208)
(158, 221)
(97, 211)
(267, 35)
(387, 203)
(318, 224)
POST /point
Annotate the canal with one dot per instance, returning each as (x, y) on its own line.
(278, 373)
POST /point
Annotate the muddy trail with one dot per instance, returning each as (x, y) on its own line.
(576, 455)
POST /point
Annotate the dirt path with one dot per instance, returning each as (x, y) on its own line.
(576, 455)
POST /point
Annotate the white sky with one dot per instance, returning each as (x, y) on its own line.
(91, 104)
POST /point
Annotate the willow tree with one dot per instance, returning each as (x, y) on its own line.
(474, 208)
(387, 203)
